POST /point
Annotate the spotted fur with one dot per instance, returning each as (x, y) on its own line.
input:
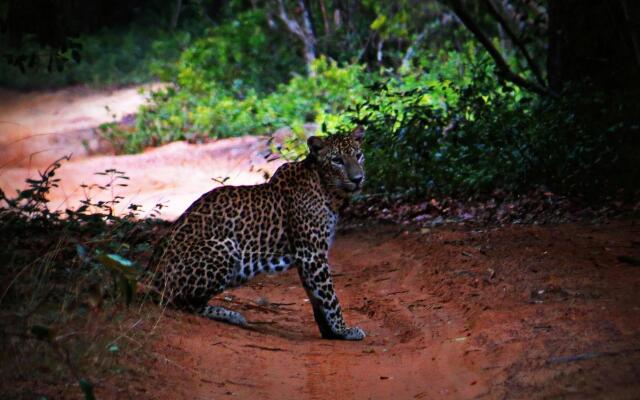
(231, 234)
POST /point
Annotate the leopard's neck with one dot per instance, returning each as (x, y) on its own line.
(336, 199)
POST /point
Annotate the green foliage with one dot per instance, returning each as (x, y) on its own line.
(444, 126)
(440, 121)
(242, 56)
(183, 113)
(471, 139)
(97, 241)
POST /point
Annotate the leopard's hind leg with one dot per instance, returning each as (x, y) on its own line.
(191, 283)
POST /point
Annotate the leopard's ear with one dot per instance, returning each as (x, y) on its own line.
(358, 133)
(315, 144)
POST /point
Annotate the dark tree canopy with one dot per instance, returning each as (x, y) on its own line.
(597, 41)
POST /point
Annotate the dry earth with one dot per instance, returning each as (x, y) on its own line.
(38, 128)
(512, 313)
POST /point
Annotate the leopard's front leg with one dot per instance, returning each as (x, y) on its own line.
(313, 268)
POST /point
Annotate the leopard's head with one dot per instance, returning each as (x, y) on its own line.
(339, 160)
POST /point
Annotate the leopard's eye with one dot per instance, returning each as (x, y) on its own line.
(337, 160)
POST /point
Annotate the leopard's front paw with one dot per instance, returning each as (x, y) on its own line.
(353, 334)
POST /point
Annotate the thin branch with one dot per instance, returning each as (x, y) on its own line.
(503, 68)
(337, 15)
(325, 18)
(364, 48)
(516, 41)
(202, 11)
(291, 24)
(175, 15)
(306, 33)
(379, 50)
(307, 19)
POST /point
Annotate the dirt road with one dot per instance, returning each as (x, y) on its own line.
(511, 313)
(38, 128)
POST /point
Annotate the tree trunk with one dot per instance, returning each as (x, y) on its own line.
(305, 32)
(175, 15)
(311, 52)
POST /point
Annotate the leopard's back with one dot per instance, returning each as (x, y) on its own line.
(226, 237)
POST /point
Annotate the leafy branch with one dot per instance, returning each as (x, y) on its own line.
(504, 70)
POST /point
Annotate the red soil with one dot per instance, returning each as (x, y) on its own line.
(515, 312)
(36, 128)
(174, 175)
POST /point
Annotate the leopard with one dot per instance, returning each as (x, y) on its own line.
(231, 234)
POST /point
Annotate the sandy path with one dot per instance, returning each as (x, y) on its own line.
(173, 175)
(406, 353)
(37, 128)
(516, 313)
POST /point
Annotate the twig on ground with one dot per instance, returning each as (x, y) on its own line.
(255, 346)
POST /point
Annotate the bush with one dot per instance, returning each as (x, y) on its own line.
(68, 277)
(444, 125)
(474, 138)
(243, 55)
(193, 113)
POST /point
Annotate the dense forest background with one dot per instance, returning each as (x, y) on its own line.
(462, 98)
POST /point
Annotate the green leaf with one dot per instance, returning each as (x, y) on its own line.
(117, 264)
(378, 22)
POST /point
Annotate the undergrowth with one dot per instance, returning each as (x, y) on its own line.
(70, 299)
(484, 136)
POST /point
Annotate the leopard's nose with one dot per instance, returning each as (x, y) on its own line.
(357, 179)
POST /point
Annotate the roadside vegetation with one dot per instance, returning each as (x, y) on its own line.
(71, 288)
(444, 120)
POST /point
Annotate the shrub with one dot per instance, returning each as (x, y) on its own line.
(474, 138)
(67, 278)
(195, 113)
(242, 56)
